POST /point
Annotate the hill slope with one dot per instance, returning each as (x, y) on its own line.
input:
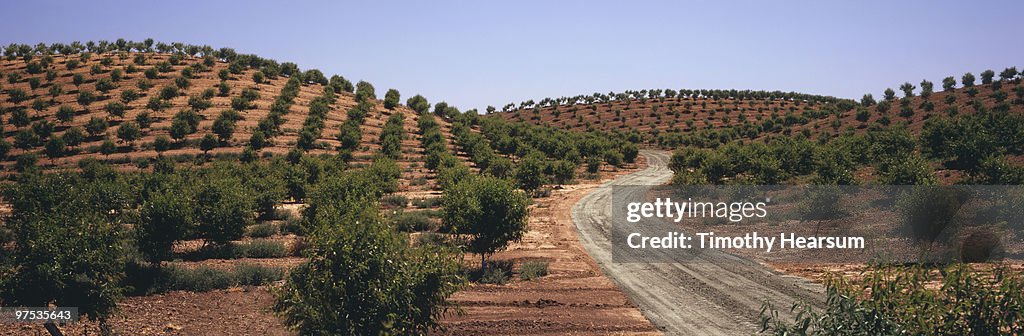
(98, 94)
(708, 118)
(663, 113)
(966, 133)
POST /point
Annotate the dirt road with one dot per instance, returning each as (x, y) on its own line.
(716, 293)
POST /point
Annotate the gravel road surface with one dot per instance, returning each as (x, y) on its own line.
(716, 293)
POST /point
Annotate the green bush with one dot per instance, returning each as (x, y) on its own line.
(689, 178)
(499, 272)
(533, 269)
(529, 174)
(423, 203)
(910, 170)
(418, 103)
(487, 208)
(822, 202)
(927, 212)
(70, 248)
(292, 225)
(246, 274)
(409, 221)
(349, 135)
(594, 164)
(365, 91)
(563, 171)
(431, 238)
(354, 253)
(223, 210)
(391, 136)
(264, 248)
(262, 230)
(205, 278)
(200, 279)
(391, 99)
(893, 300)
(630, 152)
(165, 217)
(397, 201)
(613, 158)
(224, 251)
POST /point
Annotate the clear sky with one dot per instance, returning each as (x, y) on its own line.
(479, 53)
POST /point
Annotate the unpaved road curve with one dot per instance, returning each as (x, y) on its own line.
(716, 293)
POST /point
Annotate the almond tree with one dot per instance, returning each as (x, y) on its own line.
(986, 76)
(867, 100)
(908, 89)
(967, 79)
(1008, 74)
(365, 91)
(948, 83)
(129, 132)
(926, 88)
(391, 99)
(487, 208)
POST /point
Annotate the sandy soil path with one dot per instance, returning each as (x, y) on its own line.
(716, 293)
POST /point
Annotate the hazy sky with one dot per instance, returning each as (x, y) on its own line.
(479, 53)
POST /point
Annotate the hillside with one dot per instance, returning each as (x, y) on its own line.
(967, 132)
(656, 113)
(708, 118)
(95, 95)
(1000, 95)
(216, 176)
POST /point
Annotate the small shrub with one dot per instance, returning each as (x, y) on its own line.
(418, 181)
(823, 202)
(292, 224)
(424, 203)
(412, 221)
(299, 245)
(533, 269)
(893, 300)
(431, 238)
(263, 230)
(201, 279)
(282, 214)
(498, 272)
(225, 251)
(399, 201)
(247, 274)
(263, 248)
(205, 278)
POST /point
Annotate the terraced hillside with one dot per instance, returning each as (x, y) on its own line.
(916, 106)
(124, 108)
(708, 118)
(663, 114)
(968, 131)
(206, 177)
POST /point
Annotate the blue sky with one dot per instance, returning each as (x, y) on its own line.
(479, 53)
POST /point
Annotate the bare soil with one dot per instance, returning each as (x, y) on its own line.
(574, 298)
(235, 311)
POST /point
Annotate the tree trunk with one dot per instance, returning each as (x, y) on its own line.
(52, 329)
(104, 327)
